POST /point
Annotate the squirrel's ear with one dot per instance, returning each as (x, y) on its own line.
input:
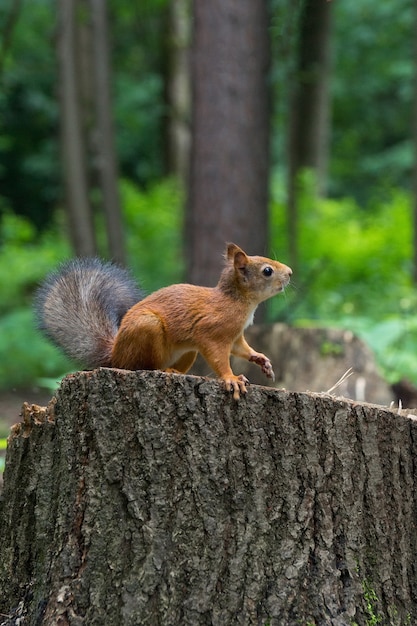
(232, 250)
(237, 256)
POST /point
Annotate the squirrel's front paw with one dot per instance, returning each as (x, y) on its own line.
(237, 384)
(264, 363)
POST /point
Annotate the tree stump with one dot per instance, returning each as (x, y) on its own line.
(142, 498)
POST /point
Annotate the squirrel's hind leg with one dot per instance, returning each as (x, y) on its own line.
(140, 343)
(184, 363)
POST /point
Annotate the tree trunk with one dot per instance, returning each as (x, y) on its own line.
(87, 137)
(73, 148)
(228, 193)
(147, 498)
(309, 108)
(105, 151)
(179, 89)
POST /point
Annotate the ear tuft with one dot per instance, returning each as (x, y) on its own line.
(232, 250)
(238, 258)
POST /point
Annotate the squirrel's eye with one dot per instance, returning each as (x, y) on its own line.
(267, 271)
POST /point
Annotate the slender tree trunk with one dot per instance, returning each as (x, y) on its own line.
(228, 193)
(86, 120)
(179, 89)
(147, 498)
(309, 109)
(105, 143)
(72, 135)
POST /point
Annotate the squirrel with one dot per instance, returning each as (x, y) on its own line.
(93, 311)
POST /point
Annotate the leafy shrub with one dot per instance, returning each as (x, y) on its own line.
(355, 272)
(351, 260)
(394, 342)
(153, 222)
(24, 354)
(25, 258)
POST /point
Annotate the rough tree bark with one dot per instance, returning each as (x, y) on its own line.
(147, 498)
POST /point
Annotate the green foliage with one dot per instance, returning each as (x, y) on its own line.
(356, 259)
(372, 91)
(24, 354)
(139, 58)
(373, 84)
(25, 257)
(28, 113)
(352, 260)
(354, 272)
(154, 228)
(393, 341)
(139, 116)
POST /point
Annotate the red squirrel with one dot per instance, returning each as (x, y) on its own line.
(92, 310)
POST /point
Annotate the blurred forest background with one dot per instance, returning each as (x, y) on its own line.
(151, 132)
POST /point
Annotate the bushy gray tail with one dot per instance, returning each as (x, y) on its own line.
(80, 307)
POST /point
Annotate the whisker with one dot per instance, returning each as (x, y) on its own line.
(293, 286)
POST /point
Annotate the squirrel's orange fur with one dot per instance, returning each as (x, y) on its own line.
(167, 329)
